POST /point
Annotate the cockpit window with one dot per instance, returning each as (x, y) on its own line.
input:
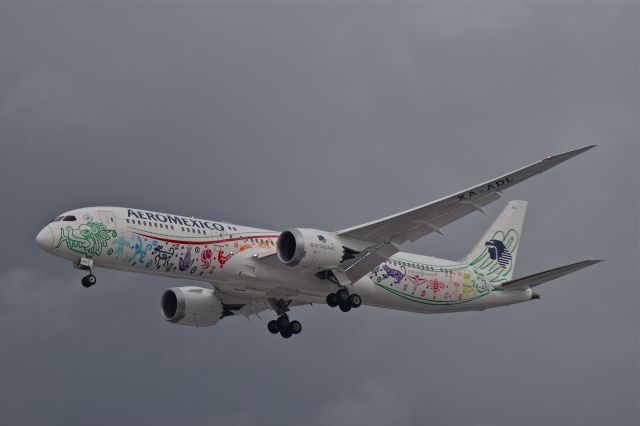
(69, 219)
(57, 219)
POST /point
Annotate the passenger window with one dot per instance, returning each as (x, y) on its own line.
(171, 226)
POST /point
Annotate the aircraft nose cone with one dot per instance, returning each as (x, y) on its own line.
(45, 238)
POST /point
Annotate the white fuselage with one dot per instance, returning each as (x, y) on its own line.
(227, 256)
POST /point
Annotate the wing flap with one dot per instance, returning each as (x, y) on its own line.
(365, 262)
(543, 277)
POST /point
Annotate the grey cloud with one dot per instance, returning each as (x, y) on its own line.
(372, 403)
(320, 115)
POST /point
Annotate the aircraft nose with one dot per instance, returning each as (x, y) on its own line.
(45, 238)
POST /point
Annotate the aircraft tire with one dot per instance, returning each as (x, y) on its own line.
(283, 323)
(273, 327)
(286, 333)
(345, 307)
(88, 281)
(332, 300)
(295, 327)
(342, 294)
(355, 300)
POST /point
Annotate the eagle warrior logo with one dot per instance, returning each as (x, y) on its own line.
(498, 251)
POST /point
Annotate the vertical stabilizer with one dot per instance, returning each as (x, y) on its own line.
(495, 253)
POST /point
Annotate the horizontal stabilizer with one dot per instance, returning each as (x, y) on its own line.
(551, 274)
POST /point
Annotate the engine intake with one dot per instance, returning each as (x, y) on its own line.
(190, 305)
(311, 249)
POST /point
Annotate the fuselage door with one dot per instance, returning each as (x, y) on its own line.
(108, 219)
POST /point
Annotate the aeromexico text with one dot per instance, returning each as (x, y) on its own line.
(178, 220)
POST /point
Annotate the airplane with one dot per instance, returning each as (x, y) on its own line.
(249, 270)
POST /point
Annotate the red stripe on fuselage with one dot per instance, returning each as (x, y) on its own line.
(226, 240)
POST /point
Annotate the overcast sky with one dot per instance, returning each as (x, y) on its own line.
(320, 115)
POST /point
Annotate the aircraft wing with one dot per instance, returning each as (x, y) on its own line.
(380, 237)
(247, 304)
(542, 277)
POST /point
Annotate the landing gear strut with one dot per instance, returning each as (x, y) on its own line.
(344, 300)
(282, 324)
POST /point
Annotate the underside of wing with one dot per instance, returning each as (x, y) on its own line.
(247, 304)
(543, 277)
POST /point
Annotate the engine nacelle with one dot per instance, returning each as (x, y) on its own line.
(191, 306)
(310, 249)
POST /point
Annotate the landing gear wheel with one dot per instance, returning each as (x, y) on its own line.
(295, 327)
(283, 323)
(342, 294)
(273, 327)
(286, 333)
(332, 300)
(88, 281)
(345, 307)
(355, 301)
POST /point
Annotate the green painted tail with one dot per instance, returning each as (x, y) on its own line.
(495, 253)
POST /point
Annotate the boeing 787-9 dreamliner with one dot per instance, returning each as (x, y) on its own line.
(244, 271)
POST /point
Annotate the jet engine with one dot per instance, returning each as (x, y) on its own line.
(312, 249)
(191, 306)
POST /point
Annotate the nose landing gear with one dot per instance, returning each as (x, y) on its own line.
(86, 264)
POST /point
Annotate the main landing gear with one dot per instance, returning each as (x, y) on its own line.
(344, 300)
(285, 327)
(282, 324)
